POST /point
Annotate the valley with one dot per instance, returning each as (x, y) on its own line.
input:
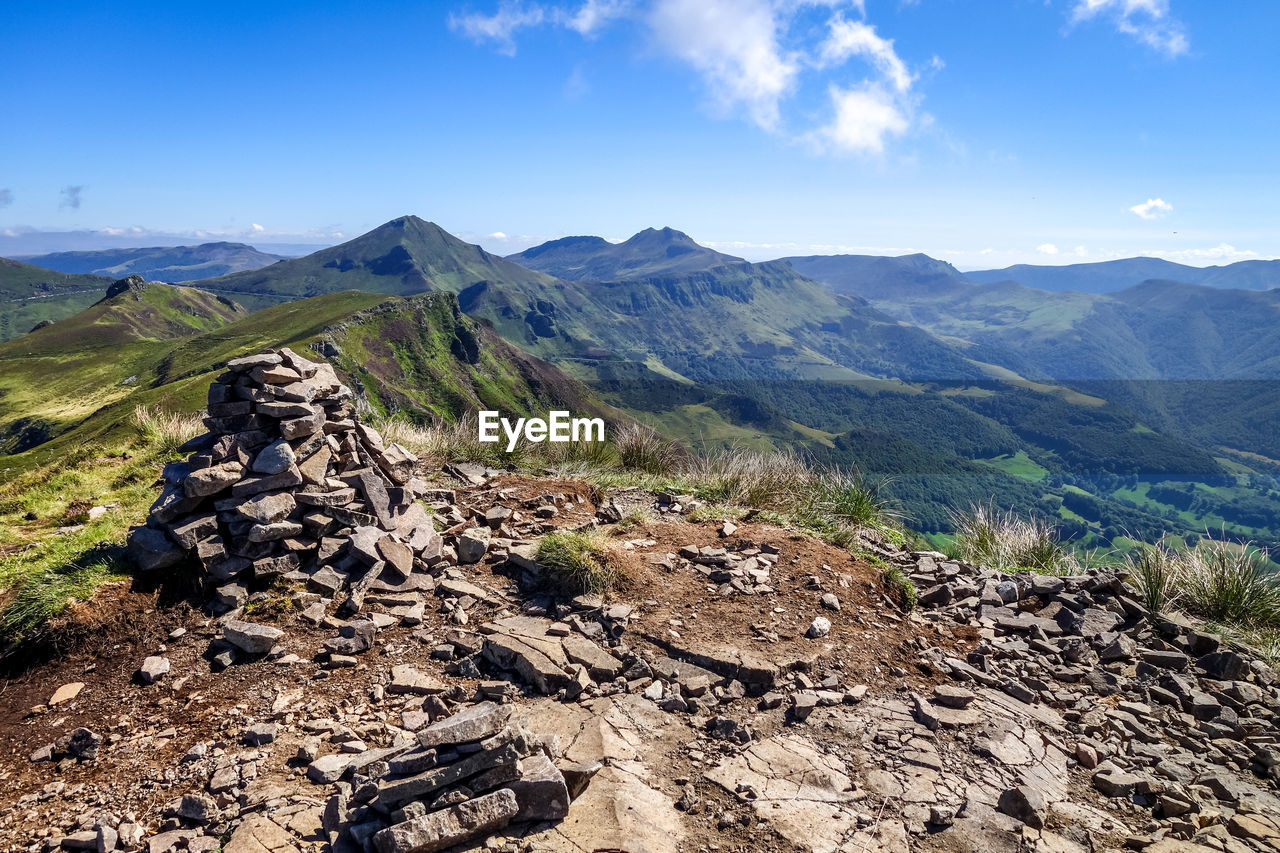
(948, 389)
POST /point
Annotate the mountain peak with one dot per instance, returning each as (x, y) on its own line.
(134, 283)
(665, 234)
(651, 252)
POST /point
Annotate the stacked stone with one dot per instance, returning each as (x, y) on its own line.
(288, 482)
(465, 776)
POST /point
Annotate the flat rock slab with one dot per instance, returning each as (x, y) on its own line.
(474, 723)
(66, 692)
(541, 790)
(448, 587)
(617, 812)
(602, 665)
(260, 834)
(936, 717)
(447, 827)
(520, 644)
(406, 679)
(250, 637)
(749, 667)
(800, 790)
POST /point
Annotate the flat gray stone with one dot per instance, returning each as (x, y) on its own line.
(541, 790)
(275, 458)
(251, 637)
(474, 723)
(268, 508)
(448, 827)
(153, 669)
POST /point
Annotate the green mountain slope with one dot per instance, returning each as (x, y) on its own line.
(652, 252)
(57, 375)
(405, 256)
(735, 321)
(874, 277)
(420, 356)
(1155, 330)
(732, 320)
(30, 295)
(160, 263)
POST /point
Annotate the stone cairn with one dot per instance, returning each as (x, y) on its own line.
(288, 483)
(288, 478)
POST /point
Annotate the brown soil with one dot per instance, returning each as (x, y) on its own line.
(105, 641)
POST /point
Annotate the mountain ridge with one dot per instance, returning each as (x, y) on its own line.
(160, 263)
(647, 253)
(1120, 274)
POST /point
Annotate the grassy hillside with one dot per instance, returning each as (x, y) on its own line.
(30, 295)
(56, 376)
(403, 257)
(420, 357)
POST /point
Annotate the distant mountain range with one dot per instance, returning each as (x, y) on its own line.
(735, 320)
(159, 263)
(1110, 276)
(652, 252)
(958, 390)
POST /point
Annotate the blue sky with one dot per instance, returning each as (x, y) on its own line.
(985, 132)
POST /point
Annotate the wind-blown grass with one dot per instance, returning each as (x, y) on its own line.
(1229, 583)
(1154, 573)
(164, 432)
(832, 503)
(1007, 542)
(642, 449)
(50, 557)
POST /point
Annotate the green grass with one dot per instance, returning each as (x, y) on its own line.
(1229, 583)
(899, 588)
(1007, 542)
(50, 559)
(1154, 573)
(578, 561)
(1019, 465)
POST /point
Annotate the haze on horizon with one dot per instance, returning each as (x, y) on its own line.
(984, 134)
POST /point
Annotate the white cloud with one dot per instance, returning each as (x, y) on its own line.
(1149, 21)
(257, 229)
(864, 116)
(1221, 253)
(1152, 208)
(1081, 252)
(1047, 249)
(500, 26)
(497, 235)
(856, 38)
(735, 46)
(749, 60)
(594, 15)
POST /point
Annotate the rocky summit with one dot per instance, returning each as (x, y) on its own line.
(379, 661)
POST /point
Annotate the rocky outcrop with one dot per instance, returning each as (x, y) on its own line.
(288, 482)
